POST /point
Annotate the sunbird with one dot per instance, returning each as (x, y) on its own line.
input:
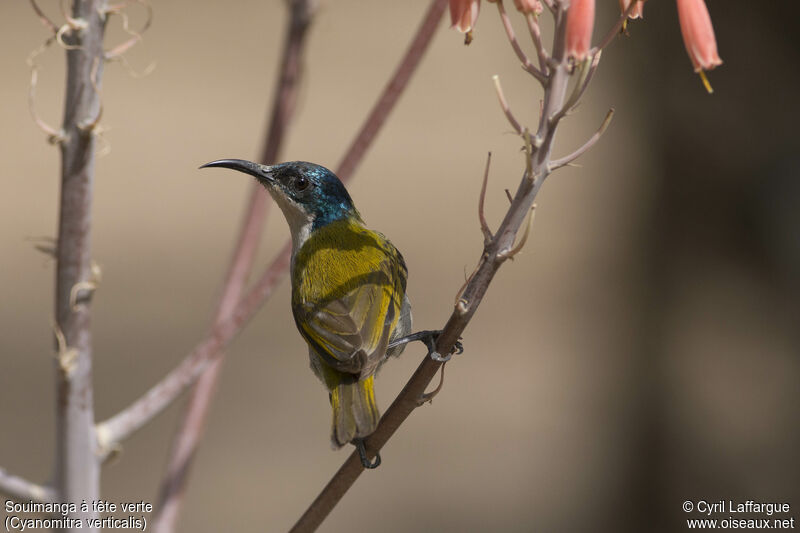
(348, 290)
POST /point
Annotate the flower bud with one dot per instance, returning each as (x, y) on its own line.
(464, 14)
(580, 23)
(698, 34)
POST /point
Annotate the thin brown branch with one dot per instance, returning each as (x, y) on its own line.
(427, 397)
(512, 38)
(487, 233)
(49, 24)
(558, 163)
(488, 263)
(23, 490)
(77, 469)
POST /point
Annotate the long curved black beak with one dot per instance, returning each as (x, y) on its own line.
(260, 172)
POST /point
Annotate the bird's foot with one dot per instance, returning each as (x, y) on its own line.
(429, 338)
(362, 454)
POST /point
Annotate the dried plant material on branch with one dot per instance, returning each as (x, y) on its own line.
(117, 52)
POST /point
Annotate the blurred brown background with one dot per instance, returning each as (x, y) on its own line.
(642, 351)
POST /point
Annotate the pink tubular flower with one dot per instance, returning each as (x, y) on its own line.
(698, 34)
(529, 6)
(638, 10)
(580, 23)
(463, 14)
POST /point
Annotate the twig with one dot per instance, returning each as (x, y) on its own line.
(488, 264)
(187, 438)
(23, 490)
(487, 233)
(536, 37)
(502, 255)
(558, 163)
(77, 469)
(49, 24)
(512, 38)
(504, 105)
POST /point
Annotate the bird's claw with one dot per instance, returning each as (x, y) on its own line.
(362, 454)
(436, 356)
(430, 342)
(429, 337)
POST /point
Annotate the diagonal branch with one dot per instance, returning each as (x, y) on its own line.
(558, 163)
(49, 24)
(23, 490)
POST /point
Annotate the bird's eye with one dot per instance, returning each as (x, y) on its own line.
(301, 183)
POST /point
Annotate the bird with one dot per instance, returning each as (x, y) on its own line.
(349, 298)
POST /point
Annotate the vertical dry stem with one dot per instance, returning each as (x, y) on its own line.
(77, 469)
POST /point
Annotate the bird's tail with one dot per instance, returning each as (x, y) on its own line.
(355, 413)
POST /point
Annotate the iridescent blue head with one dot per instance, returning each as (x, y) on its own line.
(309, 195)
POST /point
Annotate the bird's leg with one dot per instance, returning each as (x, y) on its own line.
(362, 453)
(429, 337)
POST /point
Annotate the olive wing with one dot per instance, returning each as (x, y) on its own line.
(351, 332)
